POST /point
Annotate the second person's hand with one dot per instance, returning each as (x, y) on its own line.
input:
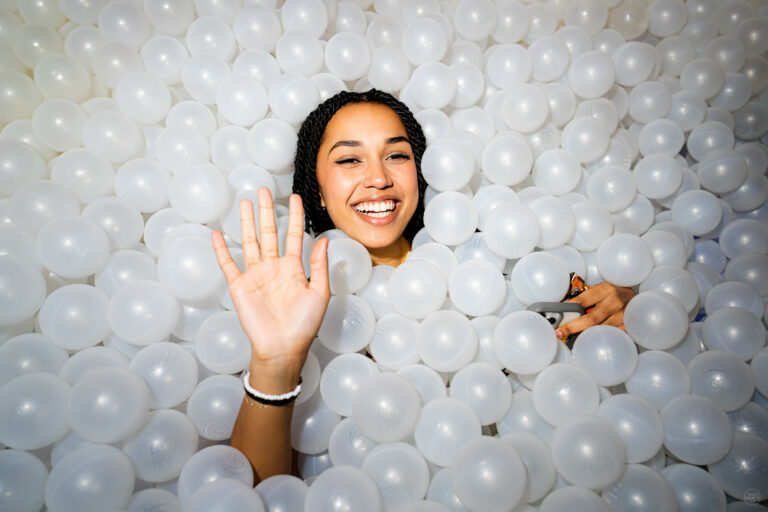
(278, 309)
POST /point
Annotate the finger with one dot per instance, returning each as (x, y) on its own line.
(594, 317)
(590, 296)
(249, 242)
(267, 228)
(318, 268)
(616, 320)
(226, 263)
(295, 234)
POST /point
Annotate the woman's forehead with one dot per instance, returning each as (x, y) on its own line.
(358, 119)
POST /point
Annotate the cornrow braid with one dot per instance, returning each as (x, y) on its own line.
(305, 184)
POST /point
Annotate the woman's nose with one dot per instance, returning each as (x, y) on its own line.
(377, 175)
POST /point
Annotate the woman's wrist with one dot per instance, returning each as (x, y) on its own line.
(275, 379)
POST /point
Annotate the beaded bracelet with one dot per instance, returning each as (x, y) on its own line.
(266, 399)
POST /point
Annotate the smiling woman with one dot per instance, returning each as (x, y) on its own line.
(358, 169)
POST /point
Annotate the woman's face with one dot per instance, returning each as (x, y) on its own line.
(367, 174)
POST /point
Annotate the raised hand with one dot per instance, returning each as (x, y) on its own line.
(279, 310)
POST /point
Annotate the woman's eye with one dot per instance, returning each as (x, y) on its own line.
(347, 161)
(401, 156)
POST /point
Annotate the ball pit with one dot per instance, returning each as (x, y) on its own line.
(624, 140)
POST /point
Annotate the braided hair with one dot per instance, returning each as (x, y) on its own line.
(310, 134)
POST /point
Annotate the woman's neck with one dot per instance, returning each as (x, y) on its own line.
(392, 255)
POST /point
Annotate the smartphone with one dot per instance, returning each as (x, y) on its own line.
(558, 313)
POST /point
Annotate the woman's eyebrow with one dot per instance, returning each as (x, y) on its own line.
(354, 143)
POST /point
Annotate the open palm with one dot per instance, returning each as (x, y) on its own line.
(279, 310)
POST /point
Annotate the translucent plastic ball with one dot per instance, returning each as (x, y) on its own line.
(564, 391)
(696, 430)
(698, 210)
(23, 477)
(92, 357)
(655, 320)
(606, 353)
(72, 246)
(613, 187)
(556, 221)
(667, 249)
(225, 494)
(165, 56)
(164, 444)
(221, 344)
(674, 281)
(740, 471)
(122, 222)
(424, 40)
(638, 424)
(400, 473)
(586, 138)
(91, 478)
(734, 330)
(695, 488)
(450, 218)
(687, 110)
(427, 381)
(389, 69)
(347, 55)
(114, 136)
(749, 268)
(58, 123)
(649, 101)
(525, 342)
(444, 426)
(142, 312)
(525, 108)
(210, 464)
(641, 484)
(199, 192)
(392, 346)
(511, 230)
(476, 248)
(447, 341)
(485, 389)
(447, 164)
(743, 236)
(386, 407)
(577, 499)
(723, 378)
(27, 353)
(659, 378)
(593, 226)
(342, 377)
(282, 492)
(349, 266)
(487, 472)
(187, 268)
(557, 171)
(709, 136)
(657, 176)
(22, 96)
(343, 487)
(376, 292)
(214, 406)
(75, 316)
(272, 144)
(108, 405)
(477, 287)
(143, 96)
(591, 74)
(21, 164)
(22, 290)
(702, 76)
(348, 325)
(170, 372)
(588, 452)
(347, 445)
(624, 259)
(33, 408)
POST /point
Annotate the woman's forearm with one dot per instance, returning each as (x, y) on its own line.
(263, 432)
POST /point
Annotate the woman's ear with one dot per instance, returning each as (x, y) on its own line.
(322, 201)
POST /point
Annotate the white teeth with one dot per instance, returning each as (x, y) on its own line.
(375, 207)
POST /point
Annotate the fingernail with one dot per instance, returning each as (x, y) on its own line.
(559, 333)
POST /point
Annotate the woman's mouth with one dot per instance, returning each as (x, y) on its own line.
(377, 212)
